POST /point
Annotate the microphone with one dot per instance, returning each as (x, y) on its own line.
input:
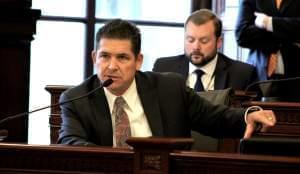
(106, 83)
(269, 81)
(3, 134)
(277, 89)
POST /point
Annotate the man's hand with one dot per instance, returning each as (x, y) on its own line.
(265, 118)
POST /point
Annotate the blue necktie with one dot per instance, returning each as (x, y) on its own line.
(199, 86)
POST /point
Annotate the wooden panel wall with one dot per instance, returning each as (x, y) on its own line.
(17, 26)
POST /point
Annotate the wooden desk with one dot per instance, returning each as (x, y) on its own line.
(56, 159)
(228, 163)
(287, 114)
(147, 157)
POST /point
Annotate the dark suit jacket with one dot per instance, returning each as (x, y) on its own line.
(286, 27)
(228, 73)
(172, 110)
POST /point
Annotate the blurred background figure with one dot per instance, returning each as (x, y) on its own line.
(270, 29)
(203, 67)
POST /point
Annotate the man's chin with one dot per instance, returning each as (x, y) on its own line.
(113, 89)
(197, 62)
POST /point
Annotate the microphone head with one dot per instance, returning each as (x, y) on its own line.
(107, 82)
(3, 134)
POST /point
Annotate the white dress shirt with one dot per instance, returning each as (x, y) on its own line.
(139, 125)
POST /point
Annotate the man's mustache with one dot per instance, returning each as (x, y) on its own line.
(197, 53)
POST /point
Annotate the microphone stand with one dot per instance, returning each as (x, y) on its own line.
(4, 132)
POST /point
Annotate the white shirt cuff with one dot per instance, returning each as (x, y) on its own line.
(251, 109)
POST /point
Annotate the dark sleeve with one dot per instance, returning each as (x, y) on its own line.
(253, 76)
(287, 28)
(215, 120)
(72, 131)
(250, 36)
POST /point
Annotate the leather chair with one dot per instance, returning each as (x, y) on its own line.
(207, 143)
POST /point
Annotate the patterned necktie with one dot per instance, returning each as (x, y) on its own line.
(278, 3)
(122, 126)
(272, 64)
(273, 58)
(199, 86)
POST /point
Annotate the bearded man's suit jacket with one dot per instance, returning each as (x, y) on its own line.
(285, 35)
(171, 108)
(228, 73)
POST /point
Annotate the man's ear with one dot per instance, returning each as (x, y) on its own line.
(139, 61)
(93, 55)
(219, 42)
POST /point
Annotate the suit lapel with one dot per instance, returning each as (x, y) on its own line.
(284, 5)
(102, 116)
(149, 99)
(220, 73)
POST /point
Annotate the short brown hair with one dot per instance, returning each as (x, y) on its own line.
(204, 15)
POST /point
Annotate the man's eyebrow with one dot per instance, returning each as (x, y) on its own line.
(122, 54)
(103, 52)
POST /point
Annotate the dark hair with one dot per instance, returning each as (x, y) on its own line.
(204, 15)
(121, 29)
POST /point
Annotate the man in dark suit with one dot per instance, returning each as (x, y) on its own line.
(270, 29)
(202, 40)
(155, 104)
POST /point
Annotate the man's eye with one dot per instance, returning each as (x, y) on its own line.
(204, 40)
(123, 57)
(104, 56)
(189, 39)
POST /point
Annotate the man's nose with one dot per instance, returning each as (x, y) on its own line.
(112, 63)
(196, 45)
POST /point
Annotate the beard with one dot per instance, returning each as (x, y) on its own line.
(198, 59)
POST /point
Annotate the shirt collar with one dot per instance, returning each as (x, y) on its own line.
(129, 96)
